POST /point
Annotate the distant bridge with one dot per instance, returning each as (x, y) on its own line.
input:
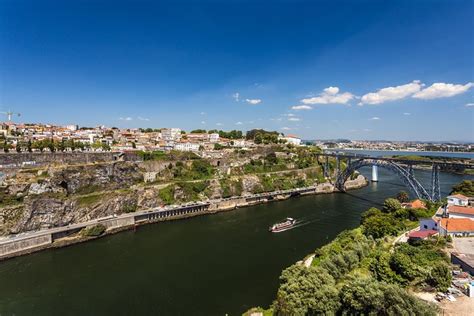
(402, 167)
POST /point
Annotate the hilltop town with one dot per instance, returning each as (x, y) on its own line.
(45, 137)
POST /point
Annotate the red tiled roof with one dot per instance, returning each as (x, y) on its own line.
(415, 204)
(457, 224)
(422, 233)
(466, 210)
(459, 196)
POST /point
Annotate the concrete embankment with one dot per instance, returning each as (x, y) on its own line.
(16, 245)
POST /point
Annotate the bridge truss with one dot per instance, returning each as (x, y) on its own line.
(402, 168)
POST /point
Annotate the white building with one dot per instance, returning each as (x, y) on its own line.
(72, 127)
(171, 134)
(291, 139)
(186, 147)
(214, 137)
(458, 199)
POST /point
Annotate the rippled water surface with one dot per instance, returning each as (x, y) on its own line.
(208, 265)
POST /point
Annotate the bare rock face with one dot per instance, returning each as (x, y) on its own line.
(147, 198)
(78, 179)
(215, 189)
(249, 183)
(44, 187)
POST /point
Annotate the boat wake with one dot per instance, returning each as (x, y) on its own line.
(301, 222)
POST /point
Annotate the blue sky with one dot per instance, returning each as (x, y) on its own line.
(399, 70)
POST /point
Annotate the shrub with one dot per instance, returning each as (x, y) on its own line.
(440, 277)
(93, 231)
(167, 194)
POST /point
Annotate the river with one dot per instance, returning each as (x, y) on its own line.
(208, 265)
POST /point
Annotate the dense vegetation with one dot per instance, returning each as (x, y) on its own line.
(93, 231)
(361, 272)
(260, 136)
(466, 188)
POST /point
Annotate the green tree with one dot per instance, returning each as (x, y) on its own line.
(403, 197)
(440, 277)
(306, 291)
(369, 297)
(380, 226)
(391, 205)
(466, 187)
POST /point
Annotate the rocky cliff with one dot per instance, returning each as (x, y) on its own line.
(33, 199)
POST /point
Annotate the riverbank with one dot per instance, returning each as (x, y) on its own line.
(26, 243)
(363, 270)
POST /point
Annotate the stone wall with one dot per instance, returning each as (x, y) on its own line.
(15, 160)
(24, 244)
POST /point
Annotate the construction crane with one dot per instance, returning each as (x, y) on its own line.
(9, 115)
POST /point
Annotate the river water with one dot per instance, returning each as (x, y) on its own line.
(207, 265)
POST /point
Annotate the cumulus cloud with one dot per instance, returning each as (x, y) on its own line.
(469, 105)
(203, 122)
(239, 123)
(442, 90)
(253, 101)
(294, 119)
(406, 113)
(143, 118)
(301, 107)
(391, 93)
(375, 118)
(330, 95)
(128, 118)
(236, 96)
(219, 124)
(285, 128)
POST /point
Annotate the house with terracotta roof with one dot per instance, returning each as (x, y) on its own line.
(422, 234)
(416, 204)
(456, 211)
(461, 227)
(458, 199)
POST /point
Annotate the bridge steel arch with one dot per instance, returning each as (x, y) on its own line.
(405, 175)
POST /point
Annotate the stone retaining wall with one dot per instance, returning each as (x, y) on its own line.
(24, 244)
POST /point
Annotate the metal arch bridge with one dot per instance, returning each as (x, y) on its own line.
(402, 167)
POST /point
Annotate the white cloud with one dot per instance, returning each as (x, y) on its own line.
(442, 90)
(253, 101)
(143, 118)
(128, 118)
(286, 128)
(367, 130)
(289, 114)
(301, 107)
(203, 122)
(236, 96)
(375, 118)
(219, 124)
(239, 123)
(406, 113)
(203, 113)
(391, 93)
(330, 95)
(294, 119)
(469, 105)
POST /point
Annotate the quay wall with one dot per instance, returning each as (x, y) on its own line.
(65, 236)
(24, 244)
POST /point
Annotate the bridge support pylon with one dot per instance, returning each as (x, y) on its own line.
(375, 173)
